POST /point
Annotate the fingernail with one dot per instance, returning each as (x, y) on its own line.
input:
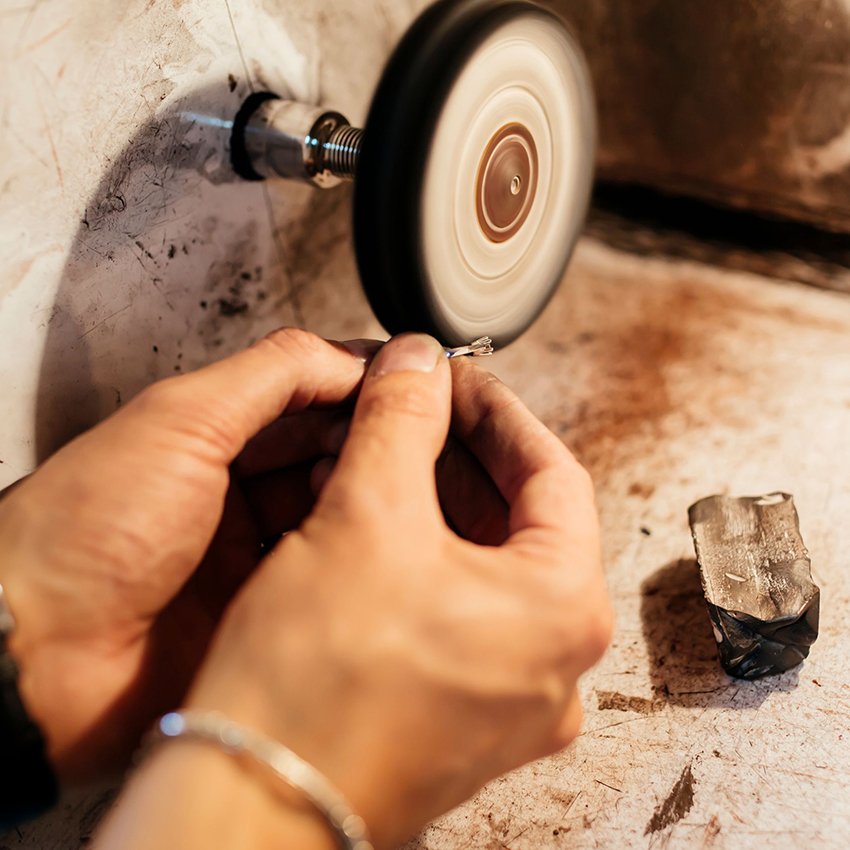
(364, 349)
(335, 436)
(408, 353)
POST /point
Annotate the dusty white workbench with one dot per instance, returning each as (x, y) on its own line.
(673, 381)
(130, 253)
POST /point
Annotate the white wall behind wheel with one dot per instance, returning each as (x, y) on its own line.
(530, 72)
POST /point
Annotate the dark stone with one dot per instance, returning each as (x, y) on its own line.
(757, 581)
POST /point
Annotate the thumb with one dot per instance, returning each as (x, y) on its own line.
(399, 426)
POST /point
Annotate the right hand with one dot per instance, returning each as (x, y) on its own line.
(405, 662)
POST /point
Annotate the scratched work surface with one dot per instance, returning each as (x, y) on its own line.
(130, 252)
(674, 381)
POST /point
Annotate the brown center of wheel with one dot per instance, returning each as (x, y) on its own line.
(507, 182)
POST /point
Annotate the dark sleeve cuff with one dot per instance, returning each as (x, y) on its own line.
(28, 785)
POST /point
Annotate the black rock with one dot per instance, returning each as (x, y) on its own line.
(757, 580)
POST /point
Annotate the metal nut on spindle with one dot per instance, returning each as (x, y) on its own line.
(342, 150)
(273, 137)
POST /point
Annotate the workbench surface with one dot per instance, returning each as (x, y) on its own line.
(671, 381)
(674, 381)
(130, 253)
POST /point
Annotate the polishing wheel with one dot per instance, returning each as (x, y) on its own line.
(473, 172)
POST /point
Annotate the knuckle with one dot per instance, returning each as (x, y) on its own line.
(494, 403)
(574, 474)
(580, 621)
(583, 483)
(598, 631)
(176, 406)
(569, 726)
(471, 378)
(581, 478)
(294, 342)
(164, 395)
(574, 482)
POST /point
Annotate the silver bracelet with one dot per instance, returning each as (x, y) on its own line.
(238, 740)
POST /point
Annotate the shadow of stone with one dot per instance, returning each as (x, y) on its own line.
(683, 665)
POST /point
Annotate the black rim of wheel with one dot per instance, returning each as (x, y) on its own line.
(396, 142)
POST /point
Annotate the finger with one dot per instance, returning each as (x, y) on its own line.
(570, 725)
(223, 405)
(293, 439)
(280, 500)
(472, 505)
(398, 428)
(320, 474)
(362, 349)
(7, 491)
(545, 487)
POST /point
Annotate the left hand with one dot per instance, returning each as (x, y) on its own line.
(101, 546)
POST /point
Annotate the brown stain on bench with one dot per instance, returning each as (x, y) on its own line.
(677, 804)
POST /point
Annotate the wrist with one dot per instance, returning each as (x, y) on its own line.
(54, 673)
(28, 650)
(26, 634)
(343, 759)
(61, 674)
(189, 794)
(21, 740)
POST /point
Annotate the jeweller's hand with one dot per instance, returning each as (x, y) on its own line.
(406, 663)
(99, 549)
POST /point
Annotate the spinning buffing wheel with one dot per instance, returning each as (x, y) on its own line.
(473, 172)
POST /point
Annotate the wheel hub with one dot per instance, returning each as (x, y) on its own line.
(507, 182)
